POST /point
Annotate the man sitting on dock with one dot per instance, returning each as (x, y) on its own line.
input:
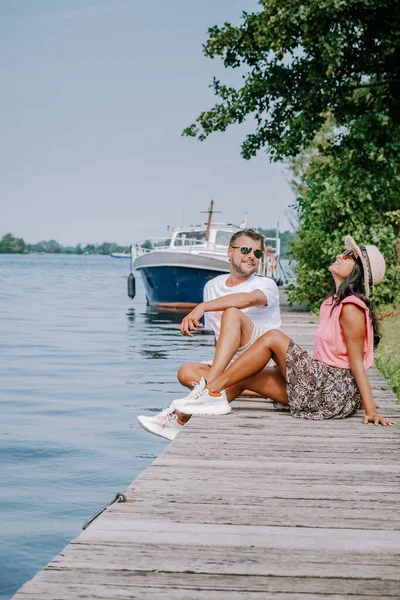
(239, 307)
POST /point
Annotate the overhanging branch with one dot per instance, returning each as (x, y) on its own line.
(374, 84)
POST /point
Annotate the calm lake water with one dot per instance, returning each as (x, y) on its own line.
(79, 362)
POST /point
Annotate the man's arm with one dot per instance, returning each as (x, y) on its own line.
(243, 300)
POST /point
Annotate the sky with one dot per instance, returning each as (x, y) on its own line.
(95, 95)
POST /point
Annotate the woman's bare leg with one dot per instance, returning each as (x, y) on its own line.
(268, 383)
(190, 373)
(274, 344)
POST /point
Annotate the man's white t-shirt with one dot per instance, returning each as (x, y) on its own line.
(267, 317)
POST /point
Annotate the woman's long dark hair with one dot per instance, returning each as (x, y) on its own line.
(353, 285)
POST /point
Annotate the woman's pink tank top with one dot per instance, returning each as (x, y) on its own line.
(330, 346)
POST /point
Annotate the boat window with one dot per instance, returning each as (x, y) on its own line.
(223, 238)
(187, 238)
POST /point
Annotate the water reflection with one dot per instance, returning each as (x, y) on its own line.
(154, 354)
(131, 316)
(154, 334)
(153, 316)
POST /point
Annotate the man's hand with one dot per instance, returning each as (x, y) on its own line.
(376, 419)
(192, 321)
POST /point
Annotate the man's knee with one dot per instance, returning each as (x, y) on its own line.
(231, 314)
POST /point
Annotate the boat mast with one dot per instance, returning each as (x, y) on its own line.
(210, 212)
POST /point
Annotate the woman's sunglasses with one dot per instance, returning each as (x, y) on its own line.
(348, 254)
(248, 250)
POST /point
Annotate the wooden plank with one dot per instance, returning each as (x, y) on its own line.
(250, 560)
(303, 514)
(252, 506)
(210, 534)
(50, 592)
(87, 582)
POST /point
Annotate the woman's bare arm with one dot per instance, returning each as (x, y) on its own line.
(352, 321)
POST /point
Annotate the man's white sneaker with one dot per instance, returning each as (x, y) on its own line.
(164, 424)
(202, 402)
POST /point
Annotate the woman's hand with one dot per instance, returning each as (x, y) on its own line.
(377, 419)
(363, 405)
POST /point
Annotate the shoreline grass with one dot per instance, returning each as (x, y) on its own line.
(387, 356)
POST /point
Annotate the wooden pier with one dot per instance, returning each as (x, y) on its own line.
(252, 506)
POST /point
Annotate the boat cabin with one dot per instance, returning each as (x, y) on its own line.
(219, 236)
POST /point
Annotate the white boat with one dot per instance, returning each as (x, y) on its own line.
(175, 269)
(120, 255)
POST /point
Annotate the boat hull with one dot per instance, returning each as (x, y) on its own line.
(177, 282)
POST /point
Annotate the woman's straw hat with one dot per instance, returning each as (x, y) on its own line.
(372, 261)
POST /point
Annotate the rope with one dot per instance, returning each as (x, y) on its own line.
(118, 498)
(130, 248)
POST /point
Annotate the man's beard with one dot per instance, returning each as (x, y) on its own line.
(239, 270)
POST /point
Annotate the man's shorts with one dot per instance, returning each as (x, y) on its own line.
(255, 334)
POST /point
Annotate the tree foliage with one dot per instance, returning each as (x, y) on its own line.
(349, 189)
(321, 82)
(12, 245)
(299, 60)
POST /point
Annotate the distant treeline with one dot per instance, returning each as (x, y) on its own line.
(12, 245)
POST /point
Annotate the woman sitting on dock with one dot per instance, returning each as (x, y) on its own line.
(334, 383)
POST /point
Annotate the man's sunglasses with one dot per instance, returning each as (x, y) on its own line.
(247, 250)
(348, 254)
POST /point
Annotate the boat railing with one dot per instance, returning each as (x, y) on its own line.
(176, 245)
(149, 245)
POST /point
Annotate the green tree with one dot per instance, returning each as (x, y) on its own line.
(50, 247)
(54, 247)
(12, 245)
(90, 249)
(321, 82)
(109, 247)
(349, 189)
(299, 60)
(147, 245)
(69, 250)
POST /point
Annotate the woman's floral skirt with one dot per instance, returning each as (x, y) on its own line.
(317, 390)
